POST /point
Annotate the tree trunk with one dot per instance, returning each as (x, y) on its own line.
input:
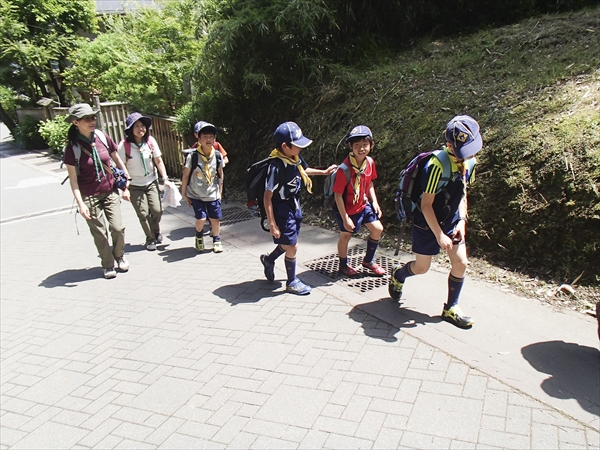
(6, 120)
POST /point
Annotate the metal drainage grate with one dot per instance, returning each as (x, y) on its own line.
(365, 280)
(235, 214)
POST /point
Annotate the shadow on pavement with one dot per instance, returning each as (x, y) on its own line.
(248, 291)
(71, 277)
(573, 371)
(178, 254)
(398, 317)
(182, 233)
(130, 248)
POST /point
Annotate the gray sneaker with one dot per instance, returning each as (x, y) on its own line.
(122, 264)
(110, 273)
(151, 246)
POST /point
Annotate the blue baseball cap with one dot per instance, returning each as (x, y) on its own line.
(463, 133)
(202, 125)
(289, 132)
(359, 131)
(134, 117)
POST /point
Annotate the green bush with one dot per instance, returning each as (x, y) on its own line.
(55, 133)
(27, 135)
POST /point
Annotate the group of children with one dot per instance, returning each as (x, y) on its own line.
(438, 220)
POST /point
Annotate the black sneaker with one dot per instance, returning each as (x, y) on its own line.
(395, 287)
(456, 317)
(269, 268)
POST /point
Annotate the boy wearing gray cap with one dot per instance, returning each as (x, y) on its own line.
(440, 220)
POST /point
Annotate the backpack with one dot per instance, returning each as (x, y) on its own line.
(118, 174)
(328, 194)
(194, 153)
(256, 176)
(409, 191)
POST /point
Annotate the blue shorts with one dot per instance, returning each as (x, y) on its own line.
(289, 221)
(423, 239)
(367, 215)
(203, 209)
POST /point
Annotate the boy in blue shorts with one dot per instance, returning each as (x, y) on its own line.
(286, 173)
(440, 220)
(356, 202)
(201, 186)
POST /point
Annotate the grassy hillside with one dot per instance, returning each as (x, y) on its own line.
(535, 89)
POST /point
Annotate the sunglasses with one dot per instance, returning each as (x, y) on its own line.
(88, 118)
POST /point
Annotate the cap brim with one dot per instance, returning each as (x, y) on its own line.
(303, 142)
(469, 149)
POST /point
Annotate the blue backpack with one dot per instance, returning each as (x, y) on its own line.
(409, 191)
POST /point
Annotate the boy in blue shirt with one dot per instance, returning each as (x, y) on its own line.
(286, 173)
(440, 220)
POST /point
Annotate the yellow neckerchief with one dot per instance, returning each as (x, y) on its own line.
(295, 161)
(460, 165)
(359, 171)
(207, 173)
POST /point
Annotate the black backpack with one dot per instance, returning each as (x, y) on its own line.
(256, 175)
(194, 153)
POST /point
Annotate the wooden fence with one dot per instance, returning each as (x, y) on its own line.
(112, 121)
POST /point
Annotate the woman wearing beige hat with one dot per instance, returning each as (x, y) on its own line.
(87, 155)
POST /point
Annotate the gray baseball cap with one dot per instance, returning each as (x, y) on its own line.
(79, 111)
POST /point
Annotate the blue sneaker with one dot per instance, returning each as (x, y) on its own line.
(298, 287)
(269, 268)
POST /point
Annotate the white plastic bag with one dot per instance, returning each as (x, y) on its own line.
(171, 196)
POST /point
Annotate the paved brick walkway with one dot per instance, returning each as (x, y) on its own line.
(193, 350)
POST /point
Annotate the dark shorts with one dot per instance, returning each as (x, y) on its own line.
(367, 215)
(423, 239)
(204, 209)
(289, 221)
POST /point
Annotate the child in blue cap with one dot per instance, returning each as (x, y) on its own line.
(285, 176)
(440, 221)
(356, 202)
(202, 184)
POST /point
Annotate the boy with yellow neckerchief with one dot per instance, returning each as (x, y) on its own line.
(439, 221)
(285, 176)
(201, 186)
(356, 202)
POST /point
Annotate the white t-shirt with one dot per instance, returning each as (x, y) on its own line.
(135, 167)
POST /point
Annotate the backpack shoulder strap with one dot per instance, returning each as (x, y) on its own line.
(102, 137)
(77, 153)
(346, 171)
(127, 147)
(444, 159)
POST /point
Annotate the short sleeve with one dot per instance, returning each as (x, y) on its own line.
(156, 153)
(272, 179)
(431, 175)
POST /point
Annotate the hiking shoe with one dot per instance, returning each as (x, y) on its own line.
(199, 243)
(151, 246)
(298, 287)
(395, 287)
(374, 267)
(122, 264)
(110, 273)
(456, 317)
(159, 238)
(217, 246)
(348, 271)
(269, 268)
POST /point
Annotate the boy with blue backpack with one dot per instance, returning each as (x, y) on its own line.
(440, 214)
(286, 173)
(356, 202)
